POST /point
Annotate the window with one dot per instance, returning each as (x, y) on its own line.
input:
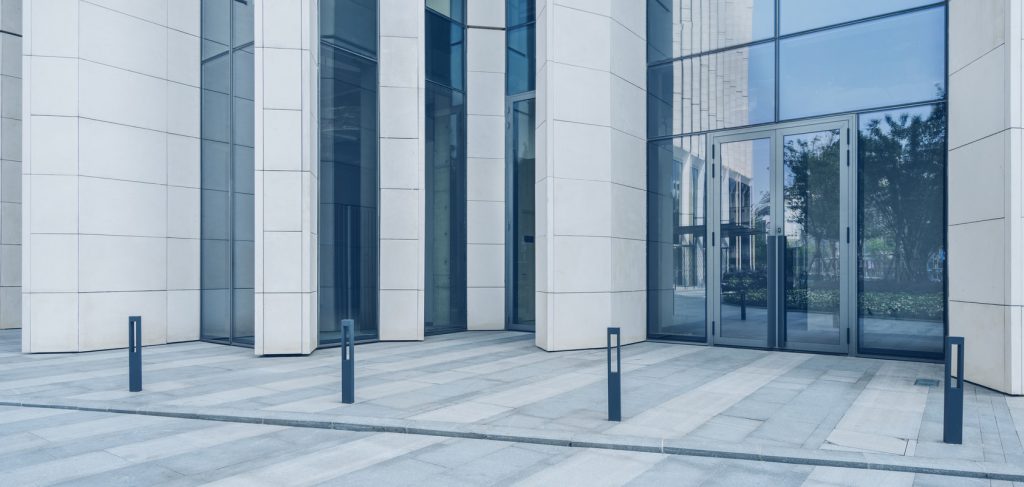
(801, 15)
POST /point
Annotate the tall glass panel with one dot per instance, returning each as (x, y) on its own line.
(746, 219)
(445, 307)
(901, 264)
(445, 253)
(678, 28)
(812, 229)
(348, 228)
(892, 61)
(524, 160)
(728, 89)
(676, 268)
(801, 15)
(227, 186)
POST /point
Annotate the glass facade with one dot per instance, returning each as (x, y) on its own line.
(520, 165)
(445, 252)
(348, 222)
(873, 68)
(227, 216)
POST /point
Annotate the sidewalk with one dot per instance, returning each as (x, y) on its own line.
(677, 399)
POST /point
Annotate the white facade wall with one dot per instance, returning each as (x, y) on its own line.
(402, 169)
(10, 164)
(485, 165)
(111, 172)
(591, 172)
(986, 189)
(287, 165)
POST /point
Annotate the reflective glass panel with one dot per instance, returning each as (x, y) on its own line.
(521, 59)
(453, 9)
(811, 225)
(901, 263)
(663, 99)
(679, 28)
(445, 293)
(676, 268)
(519, 12)
(445, 51)
(801, 15)
(348, 194)
(745, 222)
(524, 159)
(891, 61)
(350, 24)
(728, 89)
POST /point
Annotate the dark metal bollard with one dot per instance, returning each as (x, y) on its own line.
(134, 353)
(615, 376)
(953, 410)
(348, 364)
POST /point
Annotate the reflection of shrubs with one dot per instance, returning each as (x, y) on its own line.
(898, 305)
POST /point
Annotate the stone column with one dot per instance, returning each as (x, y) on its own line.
(287, 162)
(591, 171)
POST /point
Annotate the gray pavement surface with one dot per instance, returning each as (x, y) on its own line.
(811, 410)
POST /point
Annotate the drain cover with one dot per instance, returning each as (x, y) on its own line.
(927, 382)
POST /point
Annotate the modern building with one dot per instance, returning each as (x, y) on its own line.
(819, 176)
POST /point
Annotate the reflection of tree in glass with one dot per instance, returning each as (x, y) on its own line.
(902, 167)
(812, 196)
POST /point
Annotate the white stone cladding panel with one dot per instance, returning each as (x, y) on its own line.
(108, 194)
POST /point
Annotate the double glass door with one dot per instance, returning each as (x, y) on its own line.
(781, 237)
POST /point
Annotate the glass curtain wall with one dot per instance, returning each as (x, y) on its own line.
(521, 158)
(716, 65)
(227, 173)
(348, 222)
(445, 252)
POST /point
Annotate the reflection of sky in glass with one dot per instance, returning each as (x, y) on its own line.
(886, 62)
(801, 15)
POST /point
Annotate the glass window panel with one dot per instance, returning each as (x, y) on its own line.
(350, 24)
(216, 26)
(676, 255)
(244, 311)
(677, 28)
(243, 218)
(243, 75)
(244, 125)
(453, 9)
(728, 89)
(214, 221)
(901, 266)
(243, 177)
(215, 314)
(214, 167)
(664, 93)
(801, 15)
(521, 59)
(217, 74)
(243, 257)
(445, 301)
(215, 264)
(216, 124)
(885, 62)
(242, 24)
(445, 51)
(519, 12)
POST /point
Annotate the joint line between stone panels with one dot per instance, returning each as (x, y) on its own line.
(986, 53)
(976, 221)
(563, 178)
(596, 70)
(993, 134)
(987, 304)
(609, 17)
(120, 68)
(120, 124)
(126, 14)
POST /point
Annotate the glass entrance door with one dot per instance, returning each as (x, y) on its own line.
(521, 222)
(784, 255)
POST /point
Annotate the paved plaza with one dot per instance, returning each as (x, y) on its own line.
(491, 408)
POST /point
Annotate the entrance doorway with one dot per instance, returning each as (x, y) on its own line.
(520, 226)
(783, 273)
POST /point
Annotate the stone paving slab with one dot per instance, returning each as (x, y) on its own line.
(678, 399)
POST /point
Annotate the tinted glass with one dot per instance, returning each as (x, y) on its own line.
(350, 24)
(445, 293)
(678, 28)
(445, 51)
(521, 58)
(891, 61)
(901, 266)
(348, 194)
(524, 160)
(728, 89)
(519, 12)
(663, 99)
(676, 277)
(453, 9)
(800, 15)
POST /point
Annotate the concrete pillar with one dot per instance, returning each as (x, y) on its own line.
(485, 165)
(287, 162)
(402, 125)
(591, 171)
(986, 189)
